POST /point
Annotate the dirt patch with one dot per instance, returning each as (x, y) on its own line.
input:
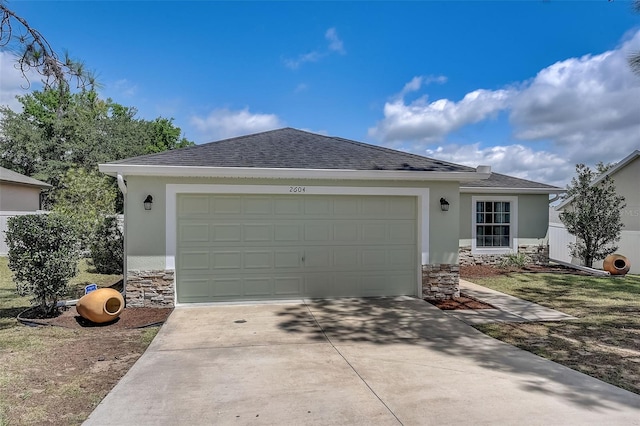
(128, 319)
(462, 302)
(70, 366)
(482, 271)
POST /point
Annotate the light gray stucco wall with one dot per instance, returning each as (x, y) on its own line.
(533, 218)
(627, 182)
(19, 198)
(145, 230)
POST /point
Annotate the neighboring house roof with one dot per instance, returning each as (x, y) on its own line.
(7, 175)
(287, 150)
(499, 183)
(620, 165)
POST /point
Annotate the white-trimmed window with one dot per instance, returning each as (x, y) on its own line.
(494, 229)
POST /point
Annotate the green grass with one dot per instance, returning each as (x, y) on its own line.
(603, 342)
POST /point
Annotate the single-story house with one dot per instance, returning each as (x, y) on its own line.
(19, 195)
(290, 214)
(626, 178)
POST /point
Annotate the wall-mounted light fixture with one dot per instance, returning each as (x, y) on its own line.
(148, 202)
(444, 205)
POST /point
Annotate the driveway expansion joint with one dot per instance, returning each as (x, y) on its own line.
(351, 366)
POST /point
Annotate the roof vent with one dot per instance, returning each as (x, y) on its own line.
(483, 169)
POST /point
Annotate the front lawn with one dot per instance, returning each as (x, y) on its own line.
(604, 342)
(55, 375)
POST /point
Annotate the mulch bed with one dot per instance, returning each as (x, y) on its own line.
(129, 318)
(482, 271)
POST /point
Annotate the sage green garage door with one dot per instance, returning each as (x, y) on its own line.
(253, 247)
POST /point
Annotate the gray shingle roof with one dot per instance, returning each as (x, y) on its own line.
(497, 180)
(294, 149)
(7, 175)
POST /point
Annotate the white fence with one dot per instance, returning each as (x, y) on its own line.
(4, 218)
(559, 239)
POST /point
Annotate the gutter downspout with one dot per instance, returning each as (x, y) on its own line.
(123, 188)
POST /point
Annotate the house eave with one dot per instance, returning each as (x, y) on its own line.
(273, 173)
(490, 190)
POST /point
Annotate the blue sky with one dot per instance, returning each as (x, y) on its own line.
(528, 87)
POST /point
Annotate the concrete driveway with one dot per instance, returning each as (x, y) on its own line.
(349, 361)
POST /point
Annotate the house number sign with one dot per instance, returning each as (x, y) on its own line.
(298, 189)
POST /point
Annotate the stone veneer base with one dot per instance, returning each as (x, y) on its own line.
(153, 289)
(440, 281)
(536, 254)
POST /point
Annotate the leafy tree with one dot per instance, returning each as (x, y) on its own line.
(43, 255)
(594, 214)
(56, 132)
(85, 197)
(107, 247)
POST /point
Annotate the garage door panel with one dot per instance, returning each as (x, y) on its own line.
(402, 208)
(288, 259)
(287, 286)
(194, 260)
(193, 205)
(258, 259)
(374, 258)
(226, 205)
(402, 231)
(374, 232)
(346, 207)
(258, 287)
(288, 206)
(195, 289)
(318, 206)
(401, 258)
(227, 232)
(319, 257)
(194, 232)
(346, 257)
(257, 205)
(345, 231)
(226, 260)
(287, 232)
(258, 232)
(314, 232)
(235, 247)
(226, 287)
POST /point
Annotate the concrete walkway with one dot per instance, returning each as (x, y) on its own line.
(509, 308)
(349, 362)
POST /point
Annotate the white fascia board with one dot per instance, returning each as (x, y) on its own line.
(251, 172)
(488, 190)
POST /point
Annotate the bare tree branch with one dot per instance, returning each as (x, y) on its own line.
(34, 53)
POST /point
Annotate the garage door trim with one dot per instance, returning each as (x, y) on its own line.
(172, 191)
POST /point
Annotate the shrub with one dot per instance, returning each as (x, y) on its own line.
(43, 255)
(107, 247)
(514, 260)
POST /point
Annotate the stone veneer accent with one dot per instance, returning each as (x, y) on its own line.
(536, 254)
(440, 282)
(153, 289)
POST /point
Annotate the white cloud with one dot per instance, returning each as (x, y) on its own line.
(584, 109)
(224, 123)
(589, 106)
(513, 160)
(125, 88)
(335, 45)
(13, 82)
(431, 121)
